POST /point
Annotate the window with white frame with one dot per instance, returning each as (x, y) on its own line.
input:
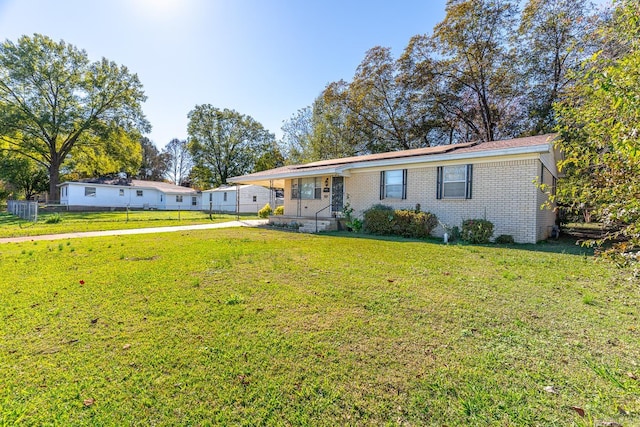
(306, 188)
(139, 193)
(90, 191)
(179, 199)
(393, 184)
(194, 201)
(310, 188)
(255, 199)
(224, 196)
(454, 182)
(121, 192)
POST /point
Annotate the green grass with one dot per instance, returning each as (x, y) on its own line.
(260, 327)
(66, 222)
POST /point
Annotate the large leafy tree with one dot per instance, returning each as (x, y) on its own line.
(600, 134)
(23, 175)
(477, 66)
(463, 81)
(297, 134)
(376, 103)
(442, 115)
(55, 102)
(119, 151)
(225, 143)
(555, 38)
(324, 130)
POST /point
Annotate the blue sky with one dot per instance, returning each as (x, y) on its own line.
(264, 58)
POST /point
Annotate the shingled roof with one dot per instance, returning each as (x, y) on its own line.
(419, 155)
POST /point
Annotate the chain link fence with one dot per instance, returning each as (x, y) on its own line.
(24, 209)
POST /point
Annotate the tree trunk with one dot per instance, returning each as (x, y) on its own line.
(54, 177)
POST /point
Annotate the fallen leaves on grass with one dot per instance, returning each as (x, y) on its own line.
(578, 410)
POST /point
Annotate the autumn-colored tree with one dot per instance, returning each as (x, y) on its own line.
(154, 164)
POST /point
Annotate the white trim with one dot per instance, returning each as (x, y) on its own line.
(449, 157)
(131, 187)
(345, 170)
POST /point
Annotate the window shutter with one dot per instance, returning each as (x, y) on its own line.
(404, 184)
(381, 185)
(439, 184)
(317, 191)
(469, 181)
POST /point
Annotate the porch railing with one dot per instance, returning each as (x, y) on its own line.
(321, 210)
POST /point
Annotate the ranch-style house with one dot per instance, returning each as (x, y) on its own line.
(494, 180)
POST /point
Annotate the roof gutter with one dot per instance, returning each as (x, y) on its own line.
(434, 158)
(344, 170)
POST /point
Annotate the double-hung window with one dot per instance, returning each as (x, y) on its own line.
(393, 184)
(306, 188)
(139, 193)
(178, 199)
(454, 182)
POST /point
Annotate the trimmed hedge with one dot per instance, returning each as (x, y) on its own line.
(384, 220)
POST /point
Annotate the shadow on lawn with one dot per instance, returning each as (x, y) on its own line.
(564, 245)
(8, 219)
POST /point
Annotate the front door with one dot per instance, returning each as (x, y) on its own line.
(337, 193)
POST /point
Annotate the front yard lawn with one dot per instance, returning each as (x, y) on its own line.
(260, 327)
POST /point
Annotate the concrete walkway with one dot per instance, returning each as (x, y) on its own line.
(246, 223)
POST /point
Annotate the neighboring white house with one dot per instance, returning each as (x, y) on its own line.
(240, 198)
(492, 180)
(122, 193)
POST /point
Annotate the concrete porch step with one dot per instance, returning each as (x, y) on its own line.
(303, 224)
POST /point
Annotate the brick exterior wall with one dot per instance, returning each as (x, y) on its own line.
(503, 192)
(307, 207)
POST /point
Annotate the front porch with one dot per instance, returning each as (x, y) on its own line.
(306, 224)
